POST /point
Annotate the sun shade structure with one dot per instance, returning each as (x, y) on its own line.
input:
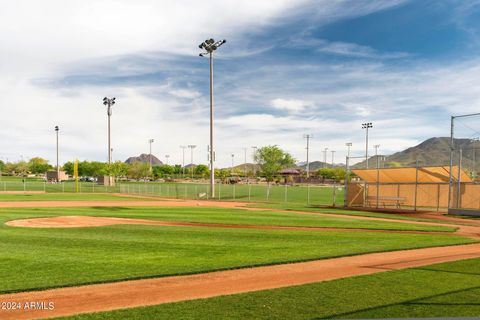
(409, 175)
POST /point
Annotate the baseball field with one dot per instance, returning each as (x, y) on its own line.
(112, 256)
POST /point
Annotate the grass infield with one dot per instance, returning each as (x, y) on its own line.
(38, 258)
(442, 290)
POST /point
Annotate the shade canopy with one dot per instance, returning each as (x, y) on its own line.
(409, 175)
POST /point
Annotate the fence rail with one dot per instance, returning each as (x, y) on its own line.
(331, 195)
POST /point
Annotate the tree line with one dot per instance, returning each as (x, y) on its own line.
(269, 159)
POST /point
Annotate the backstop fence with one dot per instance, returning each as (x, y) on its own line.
(432, 181)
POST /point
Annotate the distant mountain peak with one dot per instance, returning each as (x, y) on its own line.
(145, 158)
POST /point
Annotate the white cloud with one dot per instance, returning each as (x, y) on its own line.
(293, 105)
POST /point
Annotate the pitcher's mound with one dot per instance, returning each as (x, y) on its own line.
(75, 222)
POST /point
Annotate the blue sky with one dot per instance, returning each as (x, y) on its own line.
(288, 68)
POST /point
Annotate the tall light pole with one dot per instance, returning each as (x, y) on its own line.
(167, 156)
(325, 157)
(109, 103)
(233, 157)
(191, 147)
(183, 160)
(366, 126)
(150, 141)
(308, 137)
(254, 148)
(333, 156)
(210, 46)
(58, 167)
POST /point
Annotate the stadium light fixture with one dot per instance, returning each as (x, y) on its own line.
(366, 126)
(210, 45)
(109, 103)
(167, 156)
(349, 145)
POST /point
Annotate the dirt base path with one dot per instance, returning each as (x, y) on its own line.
(120, 203)
(88, 221)
(128, 294)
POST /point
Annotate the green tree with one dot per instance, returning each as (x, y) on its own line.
(38, 165)
(222, 174)
(139, 170)
(68, 168)
(177, 169)
(332, 173)
(273, 159)
(20, 168)
(163, 170)
(201, 170)
(117, 169)
(2, 166)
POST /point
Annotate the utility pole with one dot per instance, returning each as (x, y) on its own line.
(349, 145)
(58, 166)
(245, 163)
(191, 146)
(150, 141)
(167, 156)
(308, 137)
(183, 160)
(333, 157)
(325, 157)
(254, 148)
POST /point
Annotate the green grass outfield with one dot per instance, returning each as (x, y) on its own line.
(218, 215)
(66, 197)
(442, 290)
(43, 258)
(338, 210)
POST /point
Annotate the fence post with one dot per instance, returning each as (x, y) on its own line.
(44, 186)
(459, 179)
(24, 185)
(334, 193)
(285, 197)
(196, 193)
(185, 192)
(4, 186)
(93, 187)
(438, 197)
(219, 190)
(249, 191)
(63, 187)
(416, 186)
(234, 191)
(347, 181)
